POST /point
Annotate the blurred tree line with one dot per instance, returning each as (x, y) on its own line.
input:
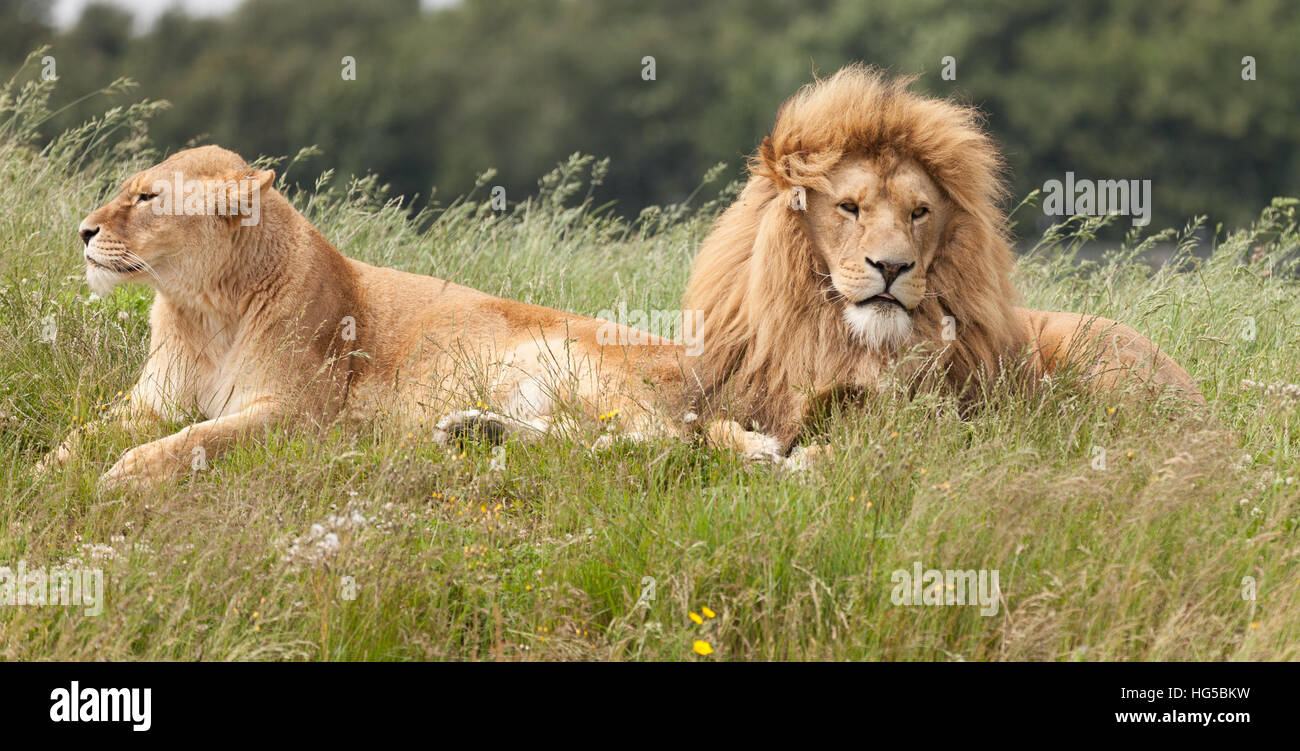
(1106, 89)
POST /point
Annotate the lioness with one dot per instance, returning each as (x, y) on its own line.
(258, 319)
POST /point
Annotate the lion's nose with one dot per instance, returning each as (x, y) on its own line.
(87, 233)
(890, 271)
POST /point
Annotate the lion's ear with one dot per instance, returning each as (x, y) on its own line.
(768, 166)
(806, 168)
(776, 168)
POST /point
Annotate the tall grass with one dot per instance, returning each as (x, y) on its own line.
(568, 555)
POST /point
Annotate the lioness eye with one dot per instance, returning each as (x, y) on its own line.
(145, 197)
(850, 207)
(919, 212)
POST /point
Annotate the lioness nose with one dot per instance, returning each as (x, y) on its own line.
(87, 233)
(890, 271)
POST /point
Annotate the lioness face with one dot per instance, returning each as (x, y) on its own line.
(877, 229)
(149, 232)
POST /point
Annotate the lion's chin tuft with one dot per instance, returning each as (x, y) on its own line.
(879, 326)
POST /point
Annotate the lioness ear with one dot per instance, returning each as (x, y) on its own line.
(245, 189)
(245, 179)
(264, 177)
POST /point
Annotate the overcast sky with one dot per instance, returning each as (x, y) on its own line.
(145, 11)
(66, 12)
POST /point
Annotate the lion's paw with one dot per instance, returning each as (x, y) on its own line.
(752, 445)
(806, 458)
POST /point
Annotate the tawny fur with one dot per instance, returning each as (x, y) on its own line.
(257, 325)
(774, 336)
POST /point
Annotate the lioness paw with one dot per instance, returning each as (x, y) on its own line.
(608, 440)
(141, 468)
(55, 458)
(476, 425)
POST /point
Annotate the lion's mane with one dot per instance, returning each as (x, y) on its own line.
(769, 333)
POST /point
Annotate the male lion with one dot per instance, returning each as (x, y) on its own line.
(870, 227)
(258, 319)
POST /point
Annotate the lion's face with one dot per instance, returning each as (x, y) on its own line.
(175, 220)
(877, 227)
(901, 242)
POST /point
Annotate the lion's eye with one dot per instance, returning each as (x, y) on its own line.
(850, 207)
(143, 197)
(919, 212)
